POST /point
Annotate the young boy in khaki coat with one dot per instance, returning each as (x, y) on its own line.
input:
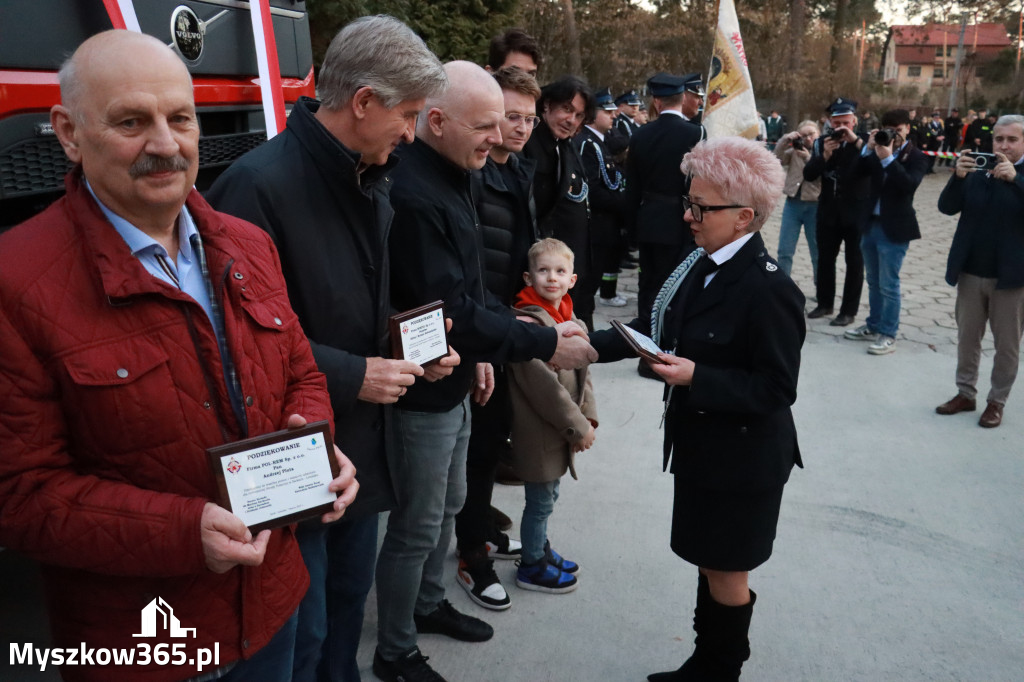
(553, 417)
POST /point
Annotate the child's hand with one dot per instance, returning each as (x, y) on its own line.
(587, 440)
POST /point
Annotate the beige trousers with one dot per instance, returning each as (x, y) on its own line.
(977, 302)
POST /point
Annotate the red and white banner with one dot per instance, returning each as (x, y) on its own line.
(270, 70)
(122, 14)
(729, 108)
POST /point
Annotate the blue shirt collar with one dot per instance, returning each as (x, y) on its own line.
(141, 243)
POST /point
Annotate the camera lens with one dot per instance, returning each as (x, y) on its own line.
(882, 138)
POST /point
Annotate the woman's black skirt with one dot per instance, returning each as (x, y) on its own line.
(724, 530)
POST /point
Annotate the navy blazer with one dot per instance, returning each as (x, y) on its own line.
(894, 186)
(982, 200)
(732, 428)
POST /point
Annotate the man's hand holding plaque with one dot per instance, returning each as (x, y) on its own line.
(444, 366)
(270, 481)
(420, 335)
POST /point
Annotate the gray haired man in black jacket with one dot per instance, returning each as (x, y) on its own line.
(320, 189)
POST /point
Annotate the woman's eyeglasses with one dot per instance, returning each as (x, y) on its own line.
(698, 211)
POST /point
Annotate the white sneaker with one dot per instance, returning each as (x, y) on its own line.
(861, 333)
(617, 302)
(883, 345)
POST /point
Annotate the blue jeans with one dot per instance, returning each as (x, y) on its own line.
(272, 663)
(794, 214)
(340, 559)
(533, 531)
(431, 485)
(882, 262)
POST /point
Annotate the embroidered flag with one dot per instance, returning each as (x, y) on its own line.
(730, 108)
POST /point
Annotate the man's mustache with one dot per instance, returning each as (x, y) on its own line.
(149, 163)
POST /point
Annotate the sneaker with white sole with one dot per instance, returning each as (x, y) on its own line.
(482, 585)
(504, 547)
(614, 302)
(543, 577)
(883, 346)
(861, 333)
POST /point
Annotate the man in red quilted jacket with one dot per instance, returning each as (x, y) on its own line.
(139, 327)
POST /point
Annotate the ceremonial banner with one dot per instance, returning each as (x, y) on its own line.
(729, 108)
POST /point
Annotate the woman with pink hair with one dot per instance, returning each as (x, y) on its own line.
(733, 322)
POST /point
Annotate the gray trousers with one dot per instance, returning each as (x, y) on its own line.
(431, 482)
(977, 302)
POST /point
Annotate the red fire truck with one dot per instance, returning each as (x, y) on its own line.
(213, 37)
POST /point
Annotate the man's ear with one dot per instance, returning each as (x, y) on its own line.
(361, 101)
(65, 127)
(435, 121)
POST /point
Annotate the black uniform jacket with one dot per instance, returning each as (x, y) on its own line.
(654, 183)
(991, 219)
(732, 429)
(331, 228)
(607, 205)
(557, 178)
(436, 255)
(844, 191)
(504, 204)
(892, 190)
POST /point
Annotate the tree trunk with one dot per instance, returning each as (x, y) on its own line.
(837, 36)
(797, 10)
(573, 38)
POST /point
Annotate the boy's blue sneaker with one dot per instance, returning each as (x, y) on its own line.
(543, 577)
(558, 561)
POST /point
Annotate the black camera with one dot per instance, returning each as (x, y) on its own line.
(885, 136)
(983, 160)
(798, 143)
(838, 135)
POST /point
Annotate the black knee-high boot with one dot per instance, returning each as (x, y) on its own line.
(699, 623)
(721, 645)
(727, 644)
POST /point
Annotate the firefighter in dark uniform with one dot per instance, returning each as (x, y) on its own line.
(654, 186)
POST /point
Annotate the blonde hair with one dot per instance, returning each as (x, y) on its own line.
(549, 245)
(743, 171)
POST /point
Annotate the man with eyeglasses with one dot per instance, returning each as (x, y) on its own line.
(560, 183)
(501, 190)
(655, 183)
(435, 254)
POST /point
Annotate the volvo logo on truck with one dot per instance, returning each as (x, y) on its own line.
(187, 33)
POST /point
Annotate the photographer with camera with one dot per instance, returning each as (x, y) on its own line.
(895, 168)
(842, 203)
(801, 208)
(986, 265)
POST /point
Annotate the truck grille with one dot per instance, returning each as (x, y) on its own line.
(38, 165)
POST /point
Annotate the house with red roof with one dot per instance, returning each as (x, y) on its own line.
(925, 56)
